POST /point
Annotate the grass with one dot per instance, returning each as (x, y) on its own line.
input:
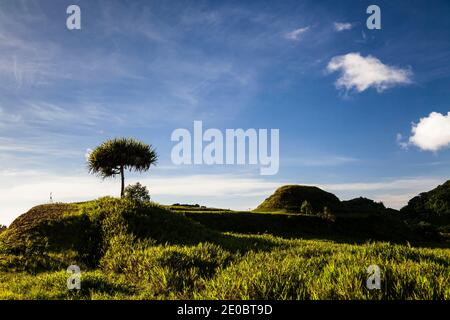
(145, 251)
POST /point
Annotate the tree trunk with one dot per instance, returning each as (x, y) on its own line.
(122, 175)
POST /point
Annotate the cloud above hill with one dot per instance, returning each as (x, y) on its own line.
(360, 73)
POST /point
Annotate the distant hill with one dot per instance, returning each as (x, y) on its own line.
(290, 198)
(435, 202)
(364, 206)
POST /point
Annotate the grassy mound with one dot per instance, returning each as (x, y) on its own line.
(56, 228)
(290, 198)
(81, 232)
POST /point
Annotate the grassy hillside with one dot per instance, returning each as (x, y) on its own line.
(132, 250)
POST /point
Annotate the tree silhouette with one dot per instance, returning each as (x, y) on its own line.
(115, 156)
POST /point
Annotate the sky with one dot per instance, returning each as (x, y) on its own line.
(360, 112)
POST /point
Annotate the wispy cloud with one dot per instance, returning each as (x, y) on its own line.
(361, 73)
(28, 151)
(401, 141)
(23, 114)
(296, 34)
(319, 161)
(342, 26)
(421, 183)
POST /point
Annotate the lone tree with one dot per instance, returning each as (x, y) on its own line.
(115, 156)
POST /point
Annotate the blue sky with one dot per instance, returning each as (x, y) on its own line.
(360, 112)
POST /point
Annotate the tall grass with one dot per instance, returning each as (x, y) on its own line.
(142, 251)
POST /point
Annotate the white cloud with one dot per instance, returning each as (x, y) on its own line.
(361, 73)
(296, 34)
(431, 133)
(341, 26)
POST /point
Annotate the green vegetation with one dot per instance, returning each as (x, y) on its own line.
(137, 192)
(430, 210)
(312, 200)
(320, 226)
(140, 250)
(115, 156)
(435, 202)
(290, 198)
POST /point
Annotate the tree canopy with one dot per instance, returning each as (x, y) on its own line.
(114, 156)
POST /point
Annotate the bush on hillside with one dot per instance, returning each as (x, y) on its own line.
(137, 192)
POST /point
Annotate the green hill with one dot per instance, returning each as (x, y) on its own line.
(84, 229)
(434, 202)
(291, 197)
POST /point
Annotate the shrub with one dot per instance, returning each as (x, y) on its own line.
(137, 192)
